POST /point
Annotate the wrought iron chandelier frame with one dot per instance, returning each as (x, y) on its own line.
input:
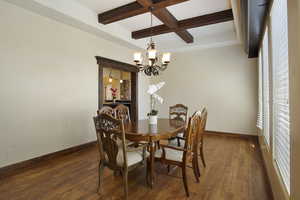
(152, 67)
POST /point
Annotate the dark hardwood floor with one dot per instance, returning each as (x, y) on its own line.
(234, 172)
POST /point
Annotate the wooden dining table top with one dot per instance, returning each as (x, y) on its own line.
(164, 129)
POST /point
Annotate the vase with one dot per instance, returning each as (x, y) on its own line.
(153, 119)
(153, 128)
(114, 101)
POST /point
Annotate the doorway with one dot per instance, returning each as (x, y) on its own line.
(123, 78)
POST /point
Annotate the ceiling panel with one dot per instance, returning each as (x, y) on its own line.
(103, 5)
(194, 8)
(188, 9)
(139, 22)
(212, 35)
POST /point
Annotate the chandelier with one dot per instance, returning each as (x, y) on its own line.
(151, 66)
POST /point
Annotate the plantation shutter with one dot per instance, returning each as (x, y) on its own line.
(260, 100)
(266, 93)
(281, 120)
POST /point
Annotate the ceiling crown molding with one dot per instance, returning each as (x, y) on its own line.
(74, 14)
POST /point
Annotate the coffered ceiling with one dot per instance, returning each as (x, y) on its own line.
(83, 14)
(191, 8)
(221, 33)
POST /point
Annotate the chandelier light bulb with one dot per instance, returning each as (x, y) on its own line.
(140, 62)
(151, 66)
(121, 81)
(166, 58)
(137, 57)
(110, 80)
(152, 53)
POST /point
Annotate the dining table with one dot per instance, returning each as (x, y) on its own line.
(142, 131)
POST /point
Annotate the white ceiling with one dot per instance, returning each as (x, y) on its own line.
(188, 9)
(83, 15)
(183, 10)
(192, 8)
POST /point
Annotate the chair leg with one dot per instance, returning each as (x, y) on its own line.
(198, 169)
(197, 165)
(100, 171)
(178, 142)
(125, 178)
(158, 144)
(185, 181)
(116, 173)
(202, 155)
(195, 168)
(148, 172)
(168, 167)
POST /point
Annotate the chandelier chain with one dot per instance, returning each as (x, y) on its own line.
(151, 24)
(152, 67)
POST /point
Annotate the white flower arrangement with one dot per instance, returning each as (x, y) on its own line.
(154, 97)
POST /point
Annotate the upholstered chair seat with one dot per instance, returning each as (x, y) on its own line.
(171, 154)
(175, 143)
(134, 156)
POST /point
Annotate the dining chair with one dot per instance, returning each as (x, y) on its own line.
(201, 134)
(114, 152)
(122, 112)
(200, 138)
(178, 112)
(180, 156)
(107, 110)
(199, 141)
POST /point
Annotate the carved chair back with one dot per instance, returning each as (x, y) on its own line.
(194, 135)
(122, 113)
(107, 110)
(203, 123)
(191, 135)
(204, 118)
(110, 132)
(178, 112)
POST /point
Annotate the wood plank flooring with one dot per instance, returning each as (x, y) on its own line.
(234, 172)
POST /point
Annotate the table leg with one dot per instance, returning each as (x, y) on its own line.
(151, 162)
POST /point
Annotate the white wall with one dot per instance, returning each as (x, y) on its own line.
(222, 79)
(48, 84)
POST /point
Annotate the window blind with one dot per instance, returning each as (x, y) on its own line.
(260, 100)
(281, 119)
(266, 93)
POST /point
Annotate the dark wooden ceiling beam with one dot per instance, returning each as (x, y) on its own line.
(169, 20)
(133, 9)
(194, 22)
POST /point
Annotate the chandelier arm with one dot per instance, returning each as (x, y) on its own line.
(152, 66)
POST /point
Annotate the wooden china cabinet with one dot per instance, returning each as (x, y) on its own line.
(132, 103)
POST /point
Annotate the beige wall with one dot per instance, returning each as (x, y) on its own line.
(48, 84)
(222, 79)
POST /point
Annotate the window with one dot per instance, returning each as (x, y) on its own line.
(281, 120)
(260, 100)
(265, 85)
